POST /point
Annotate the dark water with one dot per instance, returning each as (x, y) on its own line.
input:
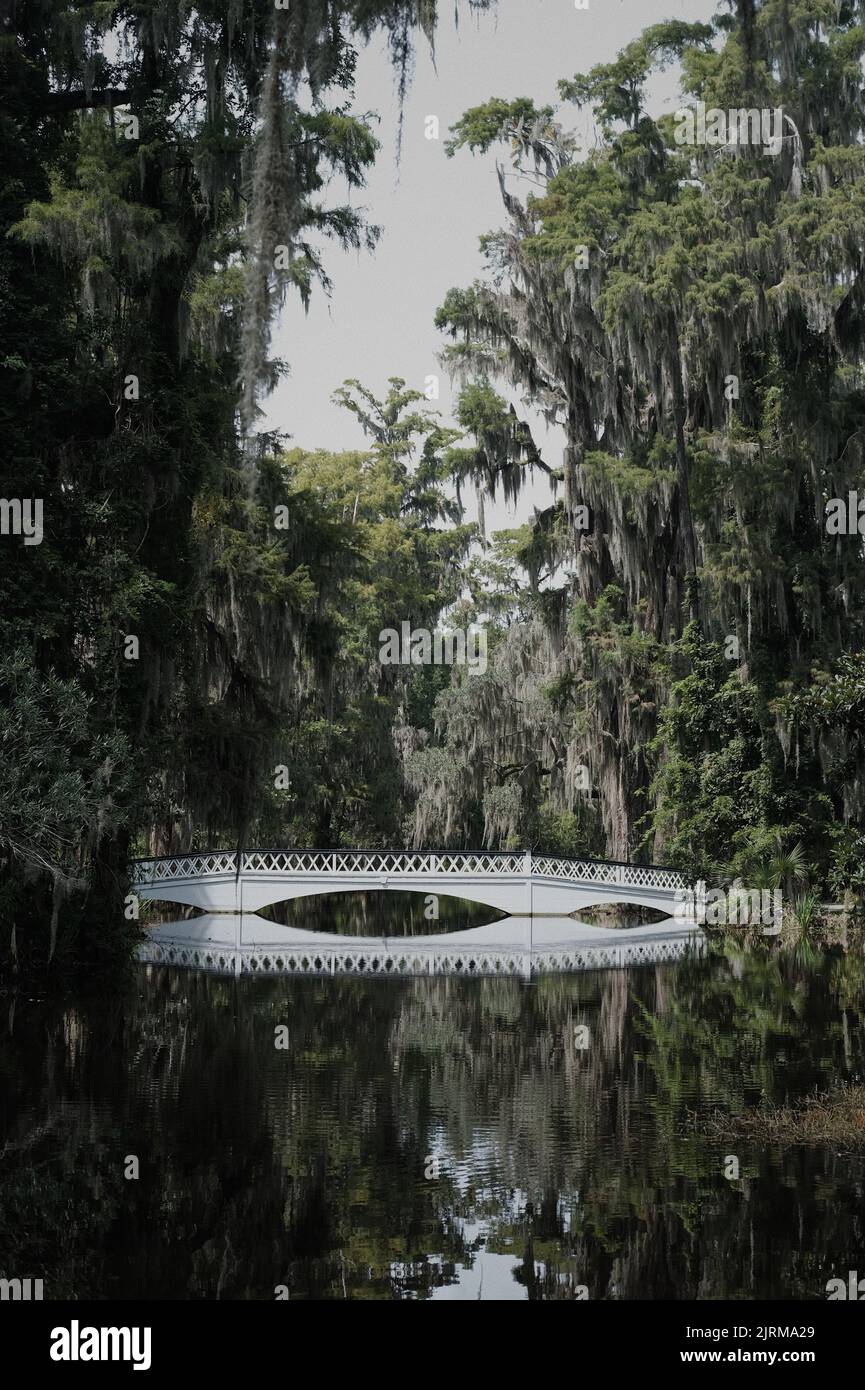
(312, 1167)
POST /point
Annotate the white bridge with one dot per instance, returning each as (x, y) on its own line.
(521, 884)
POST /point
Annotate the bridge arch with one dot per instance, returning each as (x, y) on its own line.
(252, 893)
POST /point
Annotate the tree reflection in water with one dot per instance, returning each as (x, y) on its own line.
(558, 1166)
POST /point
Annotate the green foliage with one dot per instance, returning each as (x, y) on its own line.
(379, 557)
(151, 176)
(722, 805)
(615, 90)
(529, 130)
(626, 296)
(483, 126)
(692, 318)
(59, 790)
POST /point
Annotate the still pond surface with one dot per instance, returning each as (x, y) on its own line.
(430, 1137)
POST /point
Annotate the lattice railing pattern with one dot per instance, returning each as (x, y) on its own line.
(398, 863)
(183, 867)
(595, 871)
(442, 961)
(404, 864)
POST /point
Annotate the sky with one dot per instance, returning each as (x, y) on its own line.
(379, 320)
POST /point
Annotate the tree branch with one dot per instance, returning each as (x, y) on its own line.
(53, 102)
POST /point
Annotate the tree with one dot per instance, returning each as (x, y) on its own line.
(166, 169)
(691, 315)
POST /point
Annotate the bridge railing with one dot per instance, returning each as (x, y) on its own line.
(182, 866)
(404, 864)
(597, 871)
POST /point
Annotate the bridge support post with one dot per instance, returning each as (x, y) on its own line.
(527, 870)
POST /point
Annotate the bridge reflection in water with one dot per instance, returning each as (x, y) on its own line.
(248, 944)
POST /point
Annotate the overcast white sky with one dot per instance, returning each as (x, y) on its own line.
(379, 320)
